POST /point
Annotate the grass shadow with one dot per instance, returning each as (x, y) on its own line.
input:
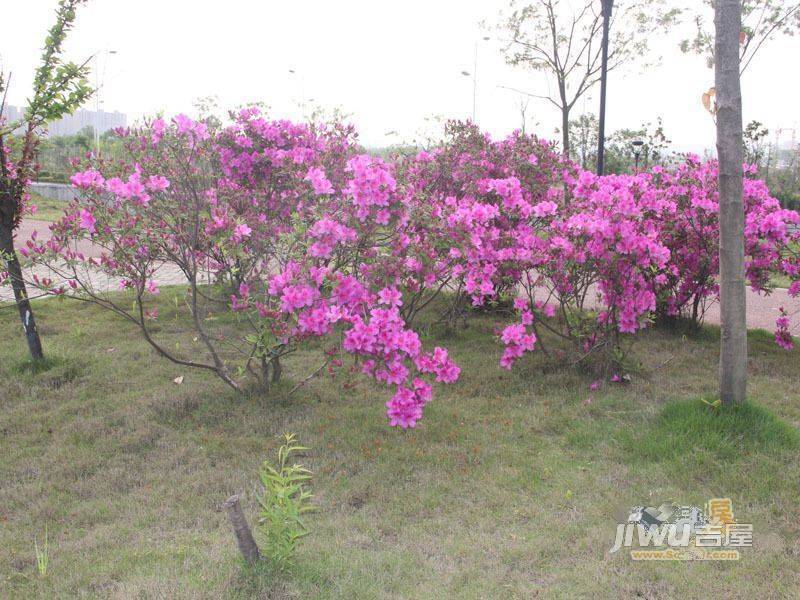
(725, 434)
(52, 371)
(687, 328)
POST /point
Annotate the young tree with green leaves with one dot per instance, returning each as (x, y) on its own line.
(755, 143)
(563, 38)
(652, 146)
(58, 89)
(761, 20)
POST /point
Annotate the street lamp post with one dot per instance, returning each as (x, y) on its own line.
(97, 82)
(637, 148)
(303, 101)
(474, 76)
(474, 93)
(475, 84)
(302, 82)
(606, 13)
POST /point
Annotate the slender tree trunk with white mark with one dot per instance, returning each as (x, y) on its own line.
(20, 292)
(733, 339)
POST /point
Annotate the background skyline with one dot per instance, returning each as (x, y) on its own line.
(394, 69)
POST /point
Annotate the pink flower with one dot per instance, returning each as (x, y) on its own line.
(157, 128)
(544, 209)
(241, 231)
(372, 185)
(404, 409)
(328, 233)
(87, 221)
(89, 179)
(390, 297)
(783, 337)
(297, 296)
(157, 183)
(318, 181)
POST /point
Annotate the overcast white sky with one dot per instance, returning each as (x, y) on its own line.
(391, 65)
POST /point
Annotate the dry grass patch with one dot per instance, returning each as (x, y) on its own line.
(510, 487)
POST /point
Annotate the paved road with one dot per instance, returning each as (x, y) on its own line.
(166, 275)
(761, 310)
(42, 228)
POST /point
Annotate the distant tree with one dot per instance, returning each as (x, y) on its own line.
(208, 111)
(653, 150)
(522, 106)
(583, 133)
(562, 38)
(621, 153)
(727, 75)
(84, 139)
(58, 89)
(755, 147)
(57, 152)
(761, 20)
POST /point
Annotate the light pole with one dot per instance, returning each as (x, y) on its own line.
(474, 76)
(302, 81)
(601, 142)
(474, 91)
(637, 148)
(97, 80)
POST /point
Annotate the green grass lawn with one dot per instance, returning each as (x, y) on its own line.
(46, 208)
(511, 486)
(781, 280)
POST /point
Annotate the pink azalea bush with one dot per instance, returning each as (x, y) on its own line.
(690, 229)
(302, 236)
(630, 248)
(469, 198)
(161, 208)
(590, 269)
(332, 284)
(284, 222)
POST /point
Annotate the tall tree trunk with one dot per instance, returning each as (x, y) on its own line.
(733, 342)
(20, 293)
(565, 108)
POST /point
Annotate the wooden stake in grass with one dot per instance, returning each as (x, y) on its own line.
(241, 529)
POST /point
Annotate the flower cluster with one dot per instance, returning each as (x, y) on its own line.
(304, 236)
(631, 248)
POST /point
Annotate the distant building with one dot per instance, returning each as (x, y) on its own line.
(11, 113)
(72, 124)
(784, 149)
